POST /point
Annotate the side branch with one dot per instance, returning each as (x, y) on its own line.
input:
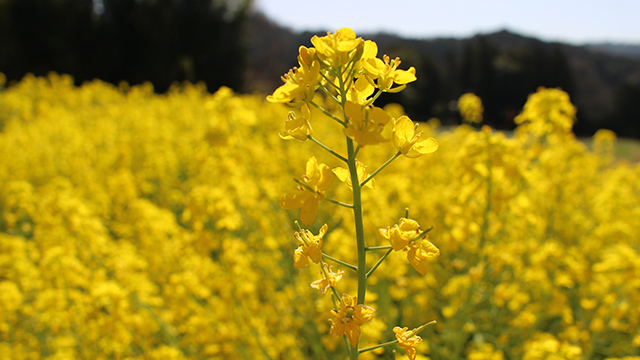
(348, 206)
(379, 262)
(327, 148)
(352, 267)
(343, 123)
(380, 169)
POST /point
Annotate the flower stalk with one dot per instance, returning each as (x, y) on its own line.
(347, 71)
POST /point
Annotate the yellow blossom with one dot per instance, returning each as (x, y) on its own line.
(329, 279)
(310, 247)
(470, 107)
(406, 236)
(408, 340)
(360, 91)
(402, 233)
(547, 112)
(367, 125)
(343, 175)
(298, 128)
(300, 83)
(349, 317)
(419, 252)
(339, 48)
(386, 72)
(307, 197)
(408, 142)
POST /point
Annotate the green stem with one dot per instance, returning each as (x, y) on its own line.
(379, 262)
(422, 327)
(384, 247)
(375, 97)
(359, 223)
(357, 211)
(327, 148)
(351, 76)
(377, 346)
(329, 94)
(329, 81)
(352, 267)
(363, 183)
(343, 123)
(349, 206)
(418, 331)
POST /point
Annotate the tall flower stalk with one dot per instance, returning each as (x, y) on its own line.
(346, 69)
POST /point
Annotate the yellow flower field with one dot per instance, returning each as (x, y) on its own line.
(142, 226)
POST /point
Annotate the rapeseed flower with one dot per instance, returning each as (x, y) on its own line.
(300, 83)
(470, 108)
(329, 279)
(402, 233)
(337, 49)
(310, 192)
(408, 142)
(406, 235)
(296, 127)
(386, 72)
(310, 247)
(349, 317)
(408, 340)
(343, 175)
(367, 125)
(547, 112)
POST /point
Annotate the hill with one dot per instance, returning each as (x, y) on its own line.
(503, 68)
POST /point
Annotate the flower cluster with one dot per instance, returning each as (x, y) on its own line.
(347, 70)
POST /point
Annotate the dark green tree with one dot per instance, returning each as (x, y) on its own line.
(161, 41)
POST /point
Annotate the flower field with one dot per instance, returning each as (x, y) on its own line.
(142, 226)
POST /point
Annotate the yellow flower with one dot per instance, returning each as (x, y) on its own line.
(470, 107)
(367, 125)
(406, 236)
(547, 112)
(408, 340)
(349, 317)
(307, 197)
(419, 253)
(386, 72)
(298, 127)
(408, 142)
(310, 247)
(343, 175)
(329, 279)
(360, 91)
(339, 48)
(300, 83)
(402, 233)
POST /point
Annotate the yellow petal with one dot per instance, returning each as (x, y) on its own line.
(300, 260)
(403, 132)
(343, 175)
(294, 200)
(326, 178)
(405, 76)
(308, 211)
(312, 170)
(353, 333)
(426, 146)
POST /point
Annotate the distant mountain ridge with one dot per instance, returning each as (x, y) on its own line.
(624, 50)
(503, 68)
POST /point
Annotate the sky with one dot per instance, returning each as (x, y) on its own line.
(569, 21)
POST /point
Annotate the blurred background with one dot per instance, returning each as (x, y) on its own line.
(502, 51)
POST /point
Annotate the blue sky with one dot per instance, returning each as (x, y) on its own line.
(570, 21)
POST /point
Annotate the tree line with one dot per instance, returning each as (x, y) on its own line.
(160, 41)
